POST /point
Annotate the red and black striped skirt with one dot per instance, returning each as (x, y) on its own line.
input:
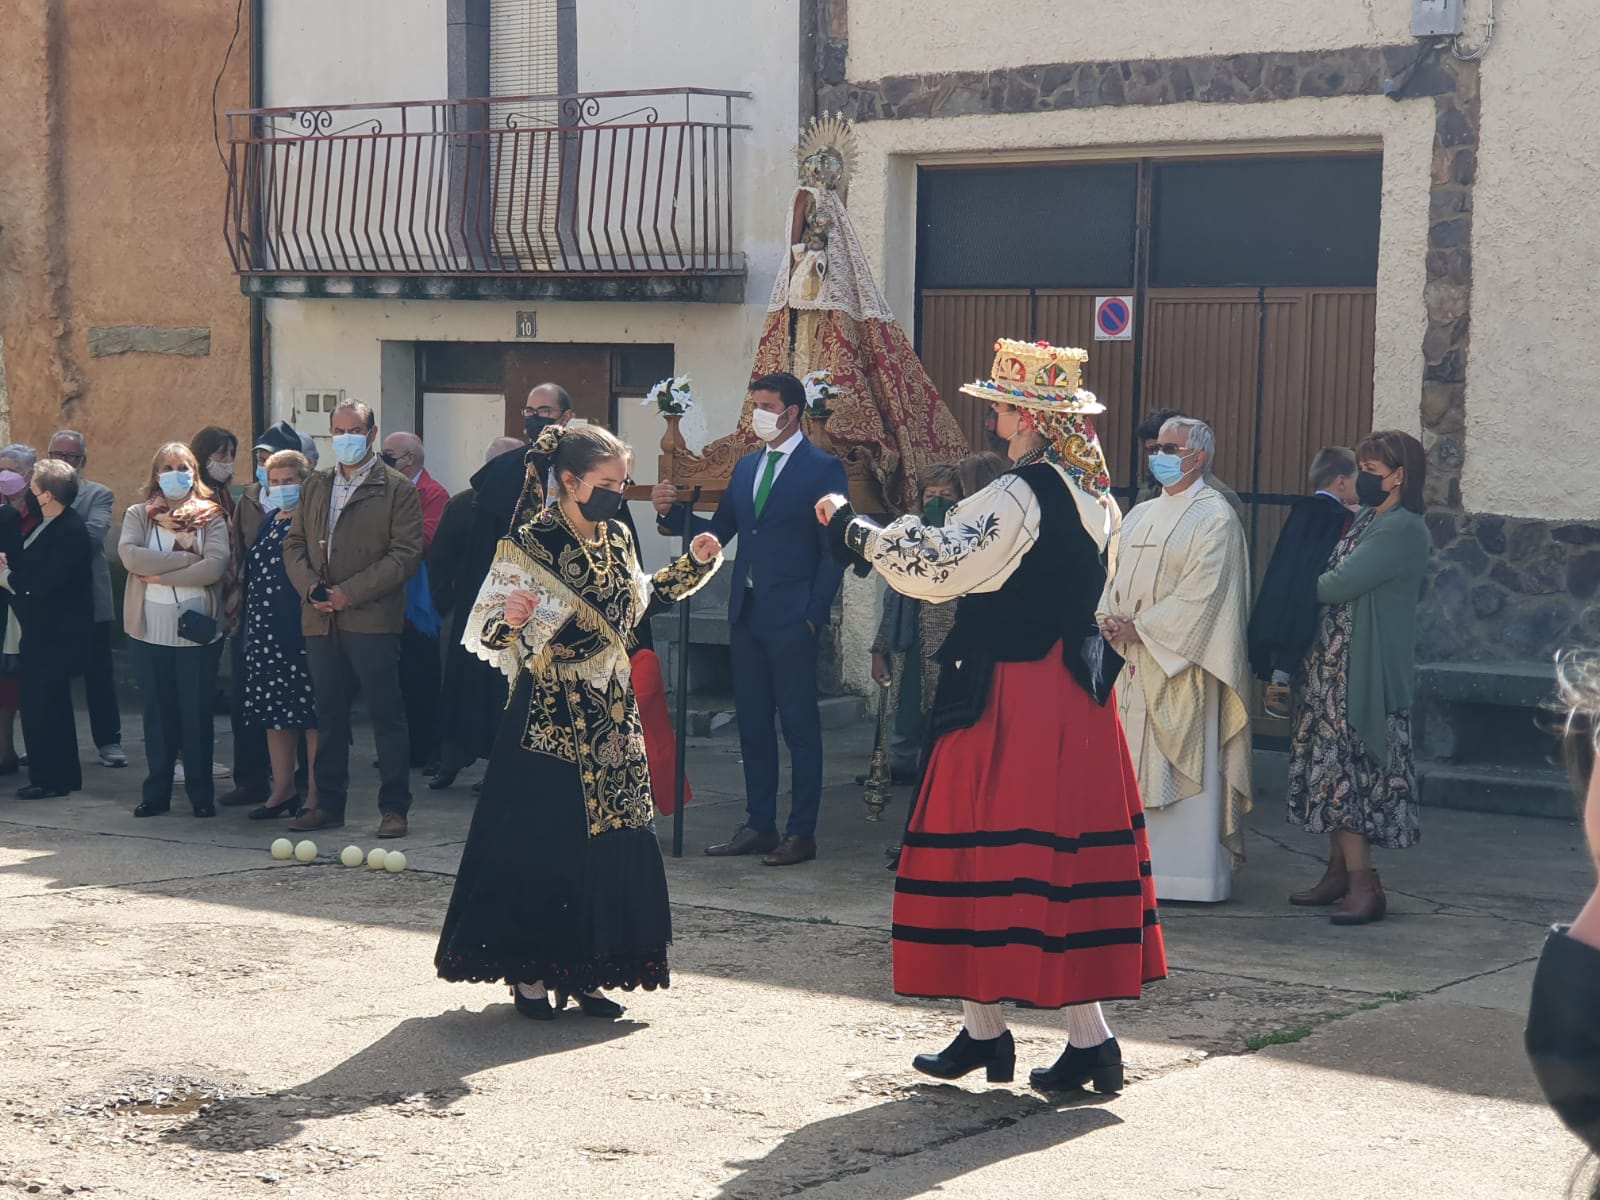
(1026, 869)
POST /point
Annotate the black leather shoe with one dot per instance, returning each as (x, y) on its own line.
(539, 1009)
(271, 812)
(150, 810)
(205, 810)
(442, 779)
(32, 792)
(1100, 1064)
(592, 1006)
(997, 1055)
(745, 841)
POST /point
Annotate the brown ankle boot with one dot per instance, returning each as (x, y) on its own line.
(1330, 888)
(1364, 901)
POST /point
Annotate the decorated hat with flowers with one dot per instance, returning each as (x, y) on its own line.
(1037, 375)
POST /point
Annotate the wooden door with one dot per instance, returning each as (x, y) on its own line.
(585, 371)
(958, 333)
(1066, 318)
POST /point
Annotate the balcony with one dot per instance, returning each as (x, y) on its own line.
(599, 196)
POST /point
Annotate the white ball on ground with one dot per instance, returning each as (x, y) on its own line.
(394, 862)
(283, 849)
(375, 859)
(352, 856)
(306, 851)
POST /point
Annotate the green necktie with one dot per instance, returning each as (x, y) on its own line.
(767, 476)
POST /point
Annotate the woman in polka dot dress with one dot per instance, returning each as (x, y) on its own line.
(277, 680)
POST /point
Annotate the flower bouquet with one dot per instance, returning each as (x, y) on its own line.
(819, 392)
(671, 397)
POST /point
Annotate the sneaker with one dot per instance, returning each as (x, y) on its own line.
(218, 771)
(111, 755)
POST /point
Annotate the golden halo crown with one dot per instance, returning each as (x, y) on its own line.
(827, 153)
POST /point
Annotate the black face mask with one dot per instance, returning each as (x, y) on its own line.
(389, 460)
(602, 504)
(1369, 489)
(534, 426)
(32, 503)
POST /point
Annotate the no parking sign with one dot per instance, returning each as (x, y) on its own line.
(1113, 318)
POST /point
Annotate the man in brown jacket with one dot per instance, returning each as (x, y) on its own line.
(353, 543)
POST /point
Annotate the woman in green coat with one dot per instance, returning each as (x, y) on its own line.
(1352, 774)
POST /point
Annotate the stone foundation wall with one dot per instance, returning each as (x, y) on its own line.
(1505, 589)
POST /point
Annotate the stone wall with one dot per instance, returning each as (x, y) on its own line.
(120, 312)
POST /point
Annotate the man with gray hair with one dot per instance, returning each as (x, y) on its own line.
(94, 504)
(354, 542)
(1176, 606)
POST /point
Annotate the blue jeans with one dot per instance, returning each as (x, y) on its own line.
(177, 689)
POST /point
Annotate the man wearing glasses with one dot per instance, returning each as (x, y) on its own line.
(93, 504)
(1176, 608)
(1149, 435)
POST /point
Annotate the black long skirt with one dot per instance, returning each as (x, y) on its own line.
(537, 900)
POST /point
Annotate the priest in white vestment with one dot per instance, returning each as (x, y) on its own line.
(1177, 606)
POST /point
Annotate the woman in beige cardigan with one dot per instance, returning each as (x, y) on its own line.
(175, 545)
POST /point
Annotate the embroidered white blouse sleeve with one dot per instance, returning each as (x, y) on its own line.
(976, 549)
(489, 637)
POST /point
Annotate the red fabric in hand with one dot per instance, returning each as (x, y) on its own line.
(660, 742)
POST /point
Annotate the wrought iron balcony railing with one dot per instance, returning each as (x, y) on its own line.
(604, 184)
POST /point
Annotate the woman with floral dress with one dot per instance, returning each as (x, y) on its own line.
(1352, 774)
(277, 677)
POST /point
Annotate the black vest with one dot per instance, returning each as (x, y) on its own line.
(1049, 600)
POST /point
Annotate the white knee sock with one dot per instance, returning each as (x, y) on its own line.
(1086, 1026)
(983, 1021)
(533, 991)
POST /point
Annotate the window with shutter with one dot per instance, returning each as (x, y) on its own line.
(524, 60)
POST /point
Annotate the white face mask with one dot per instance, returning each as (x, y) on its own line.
(766, 424)
(220, 470)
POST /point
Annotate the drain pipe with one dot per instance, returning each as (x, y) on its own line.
(258, 316)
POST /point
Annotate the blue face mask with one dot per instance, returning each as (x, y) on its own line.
(350, 448)
(175, 485)
(1167, 469)
(286, 496)
(261, 477)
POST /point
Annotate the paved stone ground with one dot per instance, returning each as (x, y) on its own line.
(182, 1017)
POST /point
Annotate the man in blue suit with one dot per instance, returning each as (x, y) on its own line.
(784, 582)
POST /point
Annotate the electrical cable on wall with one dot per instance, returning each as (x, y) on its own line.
(216, 136)
(1483, 47)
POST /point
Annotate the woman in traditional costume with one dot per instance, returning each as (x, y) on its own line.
(561, 886)
(1025, 875)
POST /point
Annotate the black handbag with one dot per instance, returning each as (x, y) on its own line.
(196, 627)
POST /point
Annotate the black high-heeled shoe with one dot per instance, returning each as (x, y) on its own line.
(966, 1054)
(592, 1006)
(1101, 1065)
(271, 812)
(539, 1009)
